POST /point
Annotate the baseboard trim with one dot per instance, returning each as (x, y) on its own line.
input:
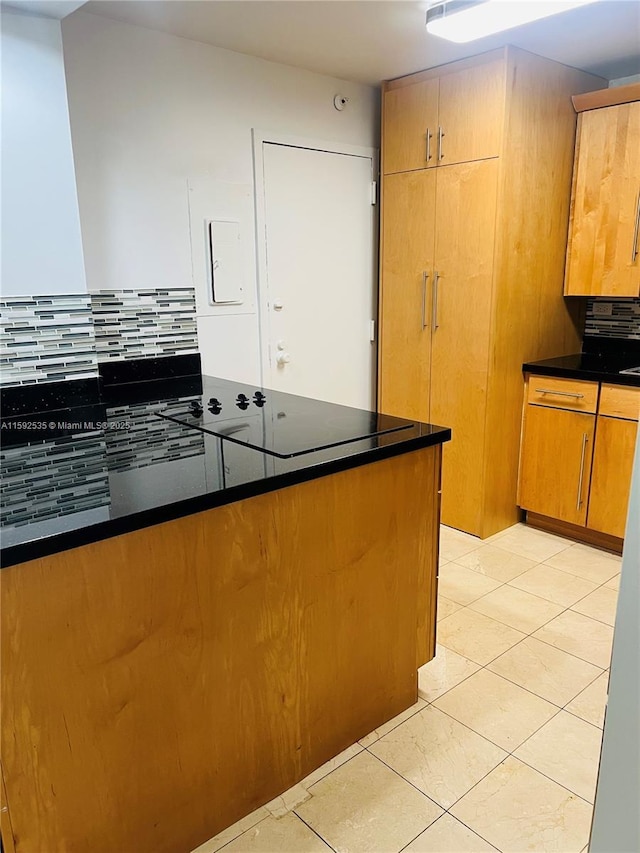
(574, 531)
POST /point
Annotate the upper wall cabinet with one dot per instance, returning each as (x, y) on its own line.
(436, 119)
(602, 255)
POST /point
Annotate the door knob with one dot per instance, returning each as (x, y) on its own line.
(282, 358)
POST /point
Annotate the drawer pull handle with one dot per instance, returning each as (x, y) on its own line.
(429, 136)
(634, 249)
(440, 136)
(425, 278)
(559, 393)
(585, 438)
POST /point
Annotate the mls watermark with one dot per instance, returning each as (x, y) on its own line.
(84, 426)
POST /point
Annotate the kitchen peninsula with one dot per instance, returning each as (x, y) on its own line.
(203, 599)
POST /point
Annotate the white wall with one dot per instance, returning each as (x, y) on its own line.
(41, 240)
(150, 111)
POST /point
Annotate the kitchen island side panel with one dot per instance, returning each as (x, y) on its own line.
(159, 685)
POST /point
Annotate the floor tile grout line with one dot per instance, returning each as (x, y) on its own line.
(344, 764)
(577, 657)
(570, 544)
(511, 626)
(433, 823)
(393, 728)
(404, 779)
(549, 601)
(470, 828)
(515, 683)
(531, 634)
(324, 840)
(487, 665)
(551, 779)
(534, 566)
(559, 604)
(595, 618)
(516, 758)
(504, 749)
(240, 834)
(574, 575)
(578, 717)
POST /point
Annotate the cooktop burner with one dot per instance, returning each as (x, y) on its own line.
(283, 425)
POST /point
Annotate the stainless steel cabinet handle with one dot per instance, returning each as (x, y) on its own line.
(425, 277)
(434, 318)
(440, 135)
(634, 248)
(429, 136)
(585, 438)
(559, 393)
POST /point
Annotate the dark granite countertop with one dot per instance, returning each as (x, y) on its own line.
(600, 361)
(84, 467)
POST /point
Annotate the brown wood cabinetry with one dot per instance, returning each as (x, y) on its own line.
(573, 394)
(616, 436)
(411, 119)
(578, 442)
(603, 253)
(472, 259)
(452, 115)
(556, 462)
(448, 258)
(460, 324)
(611, 475)
(160, 685)
(408, 233)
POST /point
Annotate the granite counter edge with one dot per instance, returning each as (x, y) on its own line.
(35, 549)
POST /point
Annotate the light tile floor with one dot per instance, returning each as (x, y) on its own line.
(501, 750)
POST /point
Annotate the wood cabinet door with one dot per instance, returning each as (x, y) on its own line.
(407, 231)
(555, 461)
(410, 127)
(602, 257)
(611, 475)
(466, 197)
(471, 113)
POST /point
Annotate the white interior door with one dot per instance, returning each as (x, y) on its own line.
(317, 287)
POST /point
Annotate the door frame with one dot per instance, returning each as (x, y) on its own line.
(258, 137)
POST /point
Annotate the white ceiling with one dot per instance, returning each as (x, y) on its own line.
(369, 41)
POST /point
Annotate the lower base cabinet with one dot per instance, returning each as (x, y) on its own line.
(556, 460)
(575, 466)
(611, 475)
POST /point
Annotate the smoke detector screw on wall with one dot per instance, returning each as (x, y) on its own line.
(340, 102)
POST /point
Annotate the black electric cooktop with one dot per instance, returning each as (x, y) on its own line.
(280, 424)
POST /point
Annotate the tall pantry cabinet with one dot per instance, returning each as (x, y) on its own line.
(476, 160)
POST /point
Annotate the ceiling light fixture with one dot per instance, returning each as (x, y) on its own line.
(466, 20)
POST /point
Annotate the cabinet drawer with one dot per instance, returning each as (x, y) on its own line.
(618, 401)
(573, 394)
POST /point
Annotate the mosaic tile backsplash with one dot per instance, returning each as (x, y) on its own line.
(144, 323)
(151, 440)
(57, 337)
(53, 478)
(623, 322)
(46, 339)
(46, 479)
